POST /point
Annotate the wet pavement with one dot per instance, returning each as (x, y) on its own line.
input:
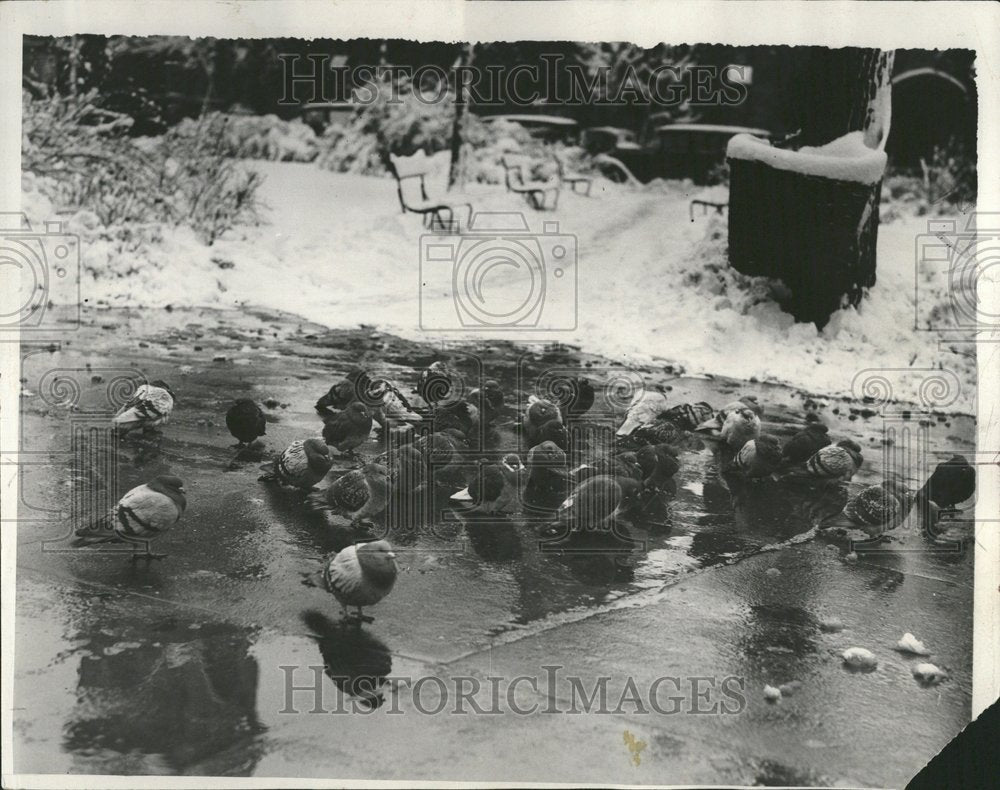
(181, 666)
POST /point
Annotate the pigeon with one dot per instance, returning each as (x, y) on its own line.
(659, 465)
(833, 463)
(490, 399)
(460, 414)
(555, 432)
(407, 468)
(574, 397)
(759, 457)
(141, 516)
(951, 483)
(547, 480)
(875, 509)
(359, 495)
(302, 464)
(713, 425)
(750, 402)
(739, 427)
(539, 412)
(361, 575)
(392, 406)
(660, 431)
(495, 487)
(688, 416)
(439, 382)
(596, 502)
(646, 406)
(148, 409)
(346, 391)
(624, 464)
(802, 445)
(245, 421)
(349, 429)
(442, 453)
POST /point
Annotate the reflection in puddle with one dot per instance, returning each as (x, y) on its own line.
(167, 701)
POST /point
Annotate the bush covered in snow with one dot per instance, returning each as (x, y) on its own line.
(85, 162)
(403, 121)
(256, 136)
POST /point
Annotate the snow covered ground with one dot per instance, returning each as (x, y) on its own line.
(650, 285)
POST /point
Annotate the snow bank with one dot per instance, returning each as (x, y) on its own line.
(845, 159)
(652, 285)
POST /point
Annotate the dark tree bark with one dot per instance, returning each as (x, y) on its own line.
(461, 103)
(845, 90)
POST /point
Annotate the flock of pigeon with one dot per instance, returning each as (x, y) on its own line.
(443, 443)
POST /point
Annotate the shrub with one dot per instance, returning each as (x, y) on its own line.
(87, 162)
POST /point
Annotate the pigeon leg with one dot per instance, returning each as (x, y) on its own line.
(148, 556)
(364, 618)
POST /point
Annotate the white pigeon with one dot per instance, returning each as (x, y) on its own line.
(646, 406)
(149, 408)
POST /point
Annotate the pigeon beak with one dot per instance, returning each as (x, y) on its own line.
(182, 489)
(391, 555)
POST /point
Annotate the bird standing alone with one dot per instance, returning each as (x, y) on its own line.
(245, 421)
(361, 575)
(141, 516)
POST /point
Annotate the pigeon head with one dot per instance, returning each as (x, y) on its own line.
(817, 428)
(555, 431)
(377, 559)
(627, 465)
(493, 392)
(317, 454)
(171, 486)
(316, 447)
(163, 386)
(541, 411)
(511, 466)
(853, 448)
(358, 413)
(547, 453)
(769, 447)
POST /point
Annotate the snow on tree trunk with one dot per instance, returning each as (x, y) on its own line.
(809, 217)
(845, 90)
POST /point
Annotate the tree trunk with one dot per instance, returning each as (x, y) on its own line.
(845, 90)
(461, 101)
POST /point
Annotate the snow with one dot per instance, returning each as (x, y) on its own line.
(651, 287)
(859, 658)
(845, 159)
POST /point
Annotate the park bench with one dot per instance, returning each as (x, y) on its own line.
(571, 178)
(517, 171)
(706, 206)
(411, 186)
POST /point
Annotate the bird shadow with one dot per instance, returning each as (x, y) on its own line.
(356, 661)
